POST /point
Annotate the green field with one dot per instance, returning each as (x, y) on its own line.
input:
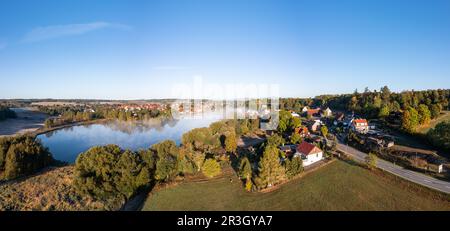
(338, 186)
(445, 116)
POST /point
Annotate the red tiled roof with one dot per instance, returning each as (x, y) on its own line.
(313, 111)
(307, 148)
(360, 121)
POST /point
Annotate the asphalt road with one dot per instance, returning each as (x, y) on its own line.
(412, 176)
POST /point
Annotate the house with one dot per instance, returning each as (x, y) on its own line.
(315, 125)
(327, 112)
(313, 112)
(309, 153)
(305, 109)
(360, 125)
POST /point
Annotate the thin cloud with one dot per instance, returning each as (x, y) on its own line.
(57, 31)
(165, 68)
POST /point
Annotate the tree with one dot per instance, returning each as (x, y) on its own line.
(371, 161)
(435, 111)
(293, 166)
(440, 135)
(230, 142)
(271, 171)
(377, 102)
(166, 164)
(244, 127)
(245, 168)
(395, 107)
(424, 114)
(201, 139)
(385, 93)
(410, 120)
(324, 131)
(184, 164)
(275, 140)
(199, 159)
(23, 155)
(211, 168)
(294, 122)
(130, 174)
(296, 138)
(108, 171)
(284, 121)
(384, 112)
(48, 123)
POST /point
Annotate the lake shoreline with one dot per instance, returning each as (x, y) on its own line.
(65, 142)
(44, 130)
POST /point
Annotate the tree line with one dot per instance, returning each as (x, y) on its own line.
(6, 113)
(72, 114)
(413, 108)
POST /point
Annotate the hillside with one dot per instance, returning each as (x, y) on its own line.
(51, 190)
(338, 186)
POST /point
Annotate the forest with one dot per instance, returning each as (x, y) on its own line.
(62, 115)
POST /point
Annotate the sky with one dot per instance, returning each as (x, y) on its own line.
(136, 49)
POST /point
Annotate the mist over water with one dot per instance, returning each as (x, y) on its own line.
(66, 144)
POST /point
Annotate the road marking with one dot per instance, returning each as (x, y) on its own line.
(427, 181)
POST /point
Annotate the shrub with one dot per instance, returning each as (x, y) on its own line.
(230, 142)
(211, 168)
(248, 185)
(371, 161)
(245, 168)
(293, 167)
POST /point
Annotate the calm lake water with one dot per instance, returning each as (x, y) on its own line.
(66, 144)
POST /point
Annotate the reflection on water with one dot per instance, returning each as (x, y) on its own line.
(67, 143)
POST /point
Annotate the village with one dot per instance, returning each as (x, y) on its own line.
(369, 136)
(357, 132)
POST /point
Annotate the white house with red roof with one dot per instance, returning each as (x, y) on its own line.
(309, 153)
(360, 125)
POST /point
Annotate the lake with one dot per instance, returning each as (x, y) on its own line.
(66, 144)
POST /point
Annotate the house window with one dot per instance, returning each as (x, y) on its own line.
(317, 155)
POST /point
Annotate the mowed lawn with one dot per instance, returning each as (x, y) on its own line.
(338, 186)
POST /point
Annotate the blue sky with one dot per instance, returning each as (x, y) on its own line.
(140, 49)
